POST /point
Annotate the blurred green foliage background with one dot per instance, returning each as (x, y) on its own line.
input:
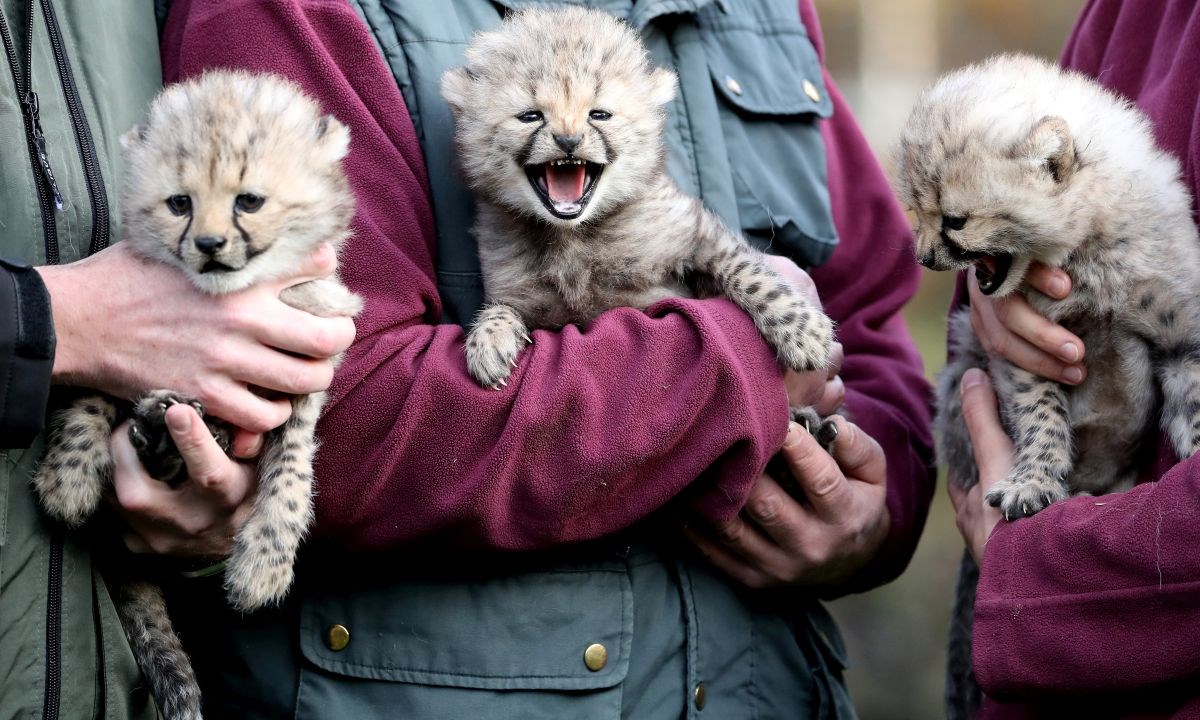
(882, 53)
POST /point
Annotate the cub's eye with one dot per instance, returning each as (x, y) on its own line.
(600, 115)
(950, 222)
(249, 202)
(179, 204)
(530, 116)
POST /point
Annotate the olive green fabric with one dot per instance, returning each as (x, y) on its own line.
(112, 46)
(505, 638)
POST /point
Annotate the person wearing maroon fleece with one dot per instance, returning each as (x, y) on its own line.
(597, 538)
(1091, 608)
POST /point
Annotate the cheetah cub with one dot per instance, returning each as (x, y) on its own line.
(234, 179)
(560, 131)
(1014, 160)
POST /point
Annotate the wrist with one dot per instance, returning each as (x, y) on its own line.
(68, 367)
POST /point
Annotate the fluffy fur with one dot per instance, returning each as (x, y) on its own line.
(571, 94)
(234, 179)
(1015, 160)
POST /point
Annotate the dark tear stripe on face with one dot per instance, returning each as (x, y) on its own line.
(251, 252)
(609, 154)
(527, 148)
(183, 236)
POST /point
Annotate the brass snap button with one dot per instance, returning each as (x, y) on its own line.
(734, 86)
(337, 637)
(595, 657)
(811, 91)
(700, 696)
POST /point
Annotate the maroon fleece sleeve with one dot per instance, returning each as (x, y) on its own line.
(870, 277)
(597, 428)
(1103, 594)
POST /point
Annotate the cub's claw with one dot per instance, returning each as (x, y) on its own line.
(1022, 494)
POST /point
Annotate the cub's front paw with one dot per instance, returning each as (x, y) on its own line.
(825, 430)
(802, 337)
(149, 435)
(493, 345)
(1022, 494)
(77, 464)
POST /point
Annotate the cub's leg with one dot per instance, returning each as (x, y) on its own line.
(1179, 377)
(155, 447)
(78, 464)
(493, 344)
(954, 444)
(1037, 418)
(259, 570)
(800, 333)
(158, 651)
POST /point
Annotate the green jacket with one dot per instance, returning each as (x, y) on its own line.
(95, 67)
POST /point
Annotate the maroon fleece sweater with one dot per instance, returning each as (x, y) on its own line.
(600, 426)
(1091, 608)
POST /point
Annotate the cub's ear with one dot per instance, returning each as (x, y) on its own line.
(1050, 147)
(333, 138)
(133, 137)
(456, 86)
(663, 86)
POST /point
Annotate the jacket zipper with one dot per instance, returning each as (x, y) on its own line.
(47, 187)
(83, 136)
(53, 697)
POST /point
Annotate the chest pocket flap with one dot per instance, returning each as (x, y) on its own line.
(771, 93)
(529, 631)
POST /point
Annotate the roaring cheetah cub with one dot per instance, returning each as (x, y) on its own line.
(234, 179)
(1014, 160)
(560, 121)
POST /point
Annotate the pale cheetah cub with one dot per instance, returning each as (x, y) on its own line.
(234, 179)
(1014, 160)
(560, 131)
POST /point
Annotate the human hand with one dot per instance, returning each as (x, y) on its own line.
(993, 456)
(200, 517)
(126, 325)
(1011, 328)
(822, 390)
(779, 541)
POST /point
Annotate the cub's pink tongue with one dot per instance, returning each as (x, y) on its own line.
(564, 183)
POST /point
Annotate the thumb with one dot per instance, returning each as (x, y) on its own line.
(320, 263)
(817, 473)
(992, 447)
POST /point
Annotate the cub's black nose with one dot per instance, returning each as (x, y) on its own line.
(568, 142)
(927, 259)
(209, 244)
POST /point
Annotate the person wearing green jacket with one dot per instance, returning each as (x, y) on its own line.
(78, 309)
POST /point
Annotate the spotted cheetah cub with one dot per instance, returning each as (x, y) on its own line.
(1014, 160)
(559, 125)
(234, 179)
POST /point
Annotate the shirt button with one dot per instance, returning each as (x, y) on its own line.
(700, 696)
(337, 637)
(811, 91)
(734, 86)
(595, 657)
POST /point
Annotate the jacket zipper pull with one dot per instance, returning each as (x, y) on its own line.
(30, 104)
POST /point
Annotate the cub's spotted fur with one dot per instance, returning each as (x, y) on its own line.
(560, 131)
(1014, 160)
(234, 179)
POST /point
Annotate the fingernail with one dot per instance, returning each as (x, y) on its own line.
(1059, 286)
(1069, 352)
(1073, 375)
(971, 378)
(793, 434)
(180, 420)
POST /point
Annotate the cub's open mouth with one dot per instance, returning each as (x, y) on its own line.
(565, 185)
(215, 266)
(991, 271)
